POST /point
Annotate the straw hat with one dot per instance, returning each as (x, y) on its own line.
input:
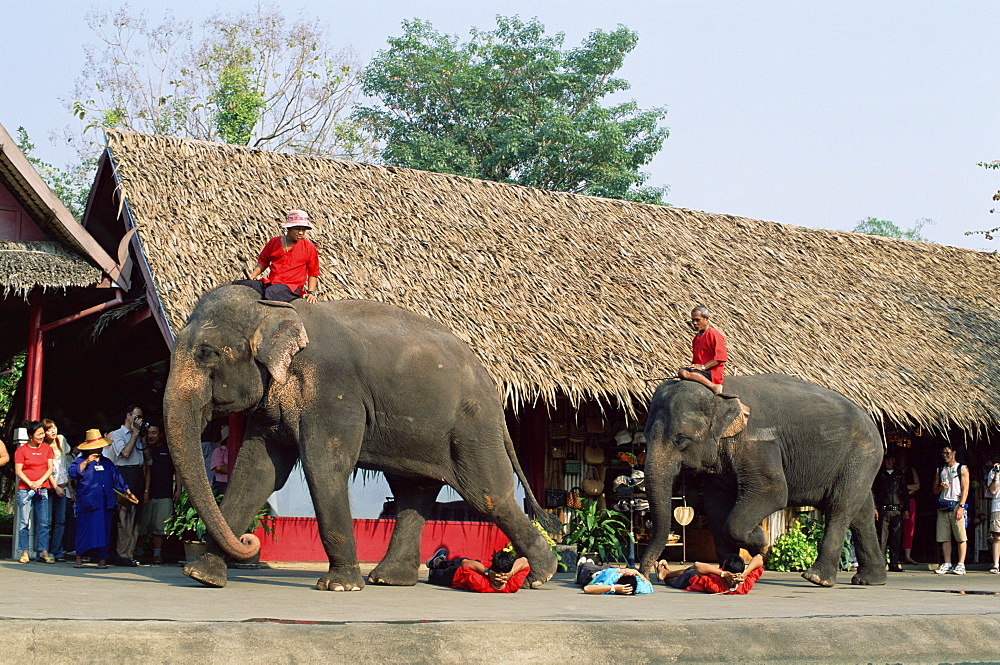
(297, 218)
(94, 440)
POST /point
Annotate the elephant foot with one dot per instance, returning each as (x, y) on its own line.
(866, 577)
(538, 577)
(817, 578)
(341, 580)
(210, 570)
(393, 575)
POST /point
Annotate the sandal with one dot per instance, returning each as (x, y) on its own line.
(102, 565)
(24, 558)
(48, 559)
(78, 565)
(995, 571)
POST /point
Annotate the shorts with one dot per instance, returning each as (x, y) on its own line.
(155, 515)
(995, 522)
(948, 528)
(704, 372)
(682, 581)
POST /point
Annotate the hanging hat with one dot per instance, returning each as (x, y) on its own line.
(297, 218)
(21, 435)
(623, 437)
(94, 441)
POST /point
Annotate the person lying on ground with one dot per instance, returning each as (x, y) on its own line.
(503, 574)
(598, 579)
(735, 576)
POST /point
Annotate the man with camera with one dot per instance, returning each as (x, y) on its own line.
(126, 451)
(993, 493)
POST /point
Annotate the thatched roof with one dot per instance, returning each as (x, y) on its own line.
(53, 218)
(585, 296)
(43, 264)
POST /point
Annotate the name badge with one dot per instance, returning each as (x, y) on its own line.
(98, 467)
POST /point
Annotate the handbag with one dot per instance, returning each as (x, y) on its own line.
(573, 499)
(593, 455)
(591, 485)
(555, 498)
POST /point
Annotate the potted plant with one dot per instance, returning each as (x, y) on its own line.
(187, 525)
(604, 532)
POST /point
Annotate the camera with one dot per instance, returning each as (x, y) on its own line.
(141, 425)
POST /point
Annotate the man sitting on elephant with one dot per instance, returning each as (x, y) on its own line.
(708, 353)
(735, 576)
(293, 263)
(505, 574)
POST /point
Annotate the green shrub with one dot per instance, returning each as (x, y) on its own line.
(793, 551)
(603, 531)
(798, 548)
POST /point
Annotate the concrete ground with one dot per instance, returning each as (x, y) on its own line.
(153, 614)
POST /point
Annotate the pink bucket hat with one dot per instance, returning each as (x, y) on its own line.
(297, 218)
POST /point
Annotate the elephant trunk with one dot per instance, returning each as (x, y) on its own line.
(662, 467)
(187, 411)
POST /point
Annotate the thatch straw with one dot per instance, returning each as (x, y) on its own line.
(585, 296)
(42, 264)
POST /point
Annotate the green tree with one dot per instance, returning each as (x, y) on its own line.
(9, 379)
(252, 79)
(989, 233)
(512, 105)
(882, 227)
(71, 185)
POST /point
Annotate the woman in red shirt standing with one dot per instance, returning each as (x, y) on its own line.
(33, 464)
(292, 261)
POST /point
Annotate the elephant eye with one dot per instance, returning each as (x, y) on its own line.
(682, 441)
(206, 353)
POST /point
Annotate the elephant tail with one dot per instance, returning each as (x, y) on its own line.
(548, 521)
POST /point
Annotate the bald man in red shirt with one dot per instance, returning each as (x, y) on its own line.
(708, 353)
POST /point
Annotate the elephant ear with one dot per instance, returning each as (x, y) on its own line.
(730, 418)
(277, 338)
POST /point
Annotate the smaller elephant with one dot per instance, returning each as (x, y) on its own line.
(802, 445)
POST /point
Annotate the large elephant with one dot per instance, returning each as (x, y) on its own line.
(802, 445)
(340, 385)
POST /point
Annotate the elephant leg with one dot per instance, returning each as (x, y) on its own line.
(414, 506)
(328, 457)
(871, 555)
(528, 541)
(259, 470)
(743, 526)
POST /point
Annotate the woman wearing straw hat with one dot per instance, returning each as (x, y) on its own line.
(97, 481)
(292, 261)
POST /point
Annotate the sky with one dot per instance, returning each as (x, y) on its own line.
(814, 114)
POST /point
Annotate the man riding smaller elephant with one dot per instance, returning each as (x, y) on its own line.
(708, 353)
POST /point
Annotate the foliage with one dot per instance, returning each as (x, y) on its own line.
(72, 185)
(792, 551)
(9, 381)
(989, 233)
(186, 524)
(603, 531)
(548, 539)
(885, 228)
(512, 105)
(251, 79)
(237, 98)
(798, 548)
